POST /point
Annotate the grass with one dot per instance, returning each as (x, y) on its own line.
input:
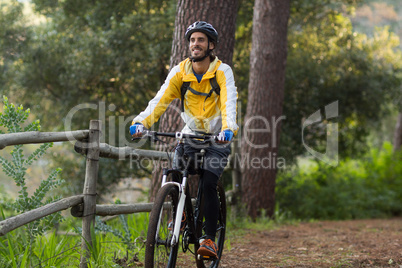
(52, 250)
(122, 244)
(237, 226)
(119, 243)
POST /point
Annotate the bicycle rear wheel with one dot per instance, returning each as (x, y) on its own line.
(220, 232)
(158, 250)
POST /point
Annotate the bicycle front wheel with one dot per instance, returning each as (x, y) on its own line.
(158, 249)
(220, 232)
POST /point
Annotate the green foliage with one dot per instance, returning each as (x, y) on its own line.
(12, 120)
(56, 250)
(241, 55)
(13, 249)
(366, 188)
(116, 52)
(49, 250)
(130, 231)
(14, 35)
(124, 235)
(312, 12)
(122, 230)
(110, 171)
(330, 62)
(8, 255)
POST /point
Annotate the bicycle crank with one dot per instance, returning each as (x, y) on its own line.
(185, 241)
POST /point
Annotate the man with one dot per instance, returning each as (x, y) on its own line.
(206, 109)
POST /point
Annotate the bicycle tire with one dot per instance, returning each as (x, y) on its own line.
(221, 230)
(158, 251)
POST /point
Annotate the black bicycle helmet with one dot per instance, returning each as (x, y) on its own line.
(204, 27)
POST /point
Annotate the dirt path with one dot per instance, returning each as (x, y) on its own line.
(358, 243)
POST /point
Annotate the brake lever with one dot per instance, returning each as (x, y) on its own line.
(138, 137)
(151, 138)
(142, 135)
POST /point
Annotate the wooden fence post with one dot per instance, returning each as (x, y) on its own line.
(91, 176)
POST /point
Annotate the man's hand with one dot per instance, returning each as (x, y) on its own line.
(225, 136)
(136, 130)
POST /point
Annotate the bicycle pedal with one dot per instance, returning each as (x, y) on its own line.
(207, 258)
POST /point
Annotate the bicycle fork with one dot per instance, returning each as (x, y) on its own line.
(179, 211)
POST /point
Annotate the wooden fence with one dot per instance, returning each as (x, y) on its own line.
(83, 205)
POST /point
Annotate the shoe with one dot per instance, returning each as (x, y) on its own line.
(208, 248)
(182, 225)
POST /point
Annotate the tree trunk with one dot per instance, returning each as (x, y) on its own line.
(222, 15)
(264, 108)
(398, 133)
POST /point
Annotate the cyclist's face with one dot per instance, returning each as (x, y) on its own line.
(199, 44)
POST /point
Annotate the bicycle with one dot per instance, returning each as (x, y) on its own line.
(165, 223)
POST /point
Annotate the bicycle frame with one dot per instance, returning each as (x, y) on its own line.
(176, 186)
(182, 201)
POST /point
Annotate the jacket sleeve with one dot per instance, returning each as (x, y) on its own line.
(169, 91)
(228, 97)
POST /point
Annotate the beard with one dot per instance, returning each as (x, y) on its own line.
(199, 55)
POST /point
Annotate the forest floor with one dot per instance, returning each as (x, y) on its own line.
(355, 243)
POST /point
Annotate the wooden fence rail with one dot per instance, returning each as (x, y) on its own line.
(41, 137)
(118, 209)
(87, 142)
(108, 151)
(12, 223)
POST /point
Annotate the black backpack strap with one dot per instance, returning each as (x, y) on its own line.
(183, 90)
(215, 86)
(186, 86)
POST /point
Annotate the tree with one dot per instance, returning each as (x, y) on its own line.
(328, 61)
(110, 51)
(109, 54)
(322, 45)
(265, 101)
(398, 133)
(222, 15)
(14, 36)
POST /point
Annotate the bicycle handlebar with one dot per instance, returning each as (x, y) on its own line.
(179, 136)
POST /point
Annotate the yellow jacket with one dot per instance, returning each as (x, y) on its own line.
(211, 115)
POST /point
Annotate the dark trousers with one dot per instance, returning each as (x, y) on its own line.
(215, 160)
(211, 203)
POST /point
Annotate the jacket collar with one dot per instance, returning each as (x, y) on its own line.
(187, 69)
